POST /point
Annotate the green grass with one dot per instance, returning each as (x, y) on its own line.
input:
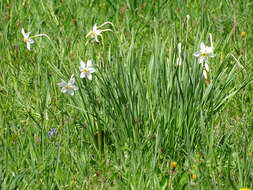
(141, 111)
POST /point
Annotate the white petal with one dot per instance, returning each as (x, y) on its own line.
(94, 27)
(82, 64)
(64, 90)
(202, 60)
(75, 88)
(89, 76)
(82, 75)
(91, 70)
(28, 45)
(23, 32)
(72, 80)
(98, 32)
(62, 84)
(206, 67)
(25, 35)
(209, 50)
(202, 47)
(96, 39)
(197, 54)
(89, 63)
(72, 86)
(205, 74)
(30, 40)
(70, 91)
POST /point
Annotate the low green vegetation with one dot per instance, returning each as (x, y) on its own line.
(162, 99)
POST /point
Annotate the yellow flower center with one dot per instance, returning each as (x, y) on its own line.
(26, 40)
(67, 86)
(204, 54)
(85, 70)
(93, 34)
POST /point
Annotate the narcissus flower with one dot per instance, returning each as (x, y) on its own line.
(86, 69)
(204, 53)
(28, 40)
(68, 87)
(96, 31)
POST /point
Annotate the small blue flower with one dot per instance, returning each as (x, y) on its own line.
(52, 132)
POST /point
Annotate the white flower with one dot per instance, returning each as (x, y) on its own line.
(86, 69)
(28, 40)
(95, 32)
(68, 87)
(204, 53)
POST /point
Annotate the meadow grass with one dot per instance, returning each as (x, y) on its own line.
(143, 121)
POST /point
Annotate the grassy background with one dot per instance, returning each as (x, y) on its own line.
(140, 112)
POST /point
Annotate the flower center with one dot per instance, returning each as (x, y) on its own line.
(93, 34)
(68, 86)
(204, 54)
(85, 70)
(26, 40)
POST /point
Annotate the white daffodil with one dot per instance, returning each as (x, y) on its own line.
(28, 40)
(86, 69)
(68, 87)
(96, 32)
(204, 53)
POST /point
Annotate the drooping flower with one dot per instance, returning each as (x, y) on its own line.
(96, 31)
(86, 69)
(28, 40)
(204, 53)
(68, 87)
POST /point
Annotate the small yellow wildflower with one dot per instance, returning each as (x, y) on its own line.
(194, 177)
(243, 34)
(245, 189)
(173, 165)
